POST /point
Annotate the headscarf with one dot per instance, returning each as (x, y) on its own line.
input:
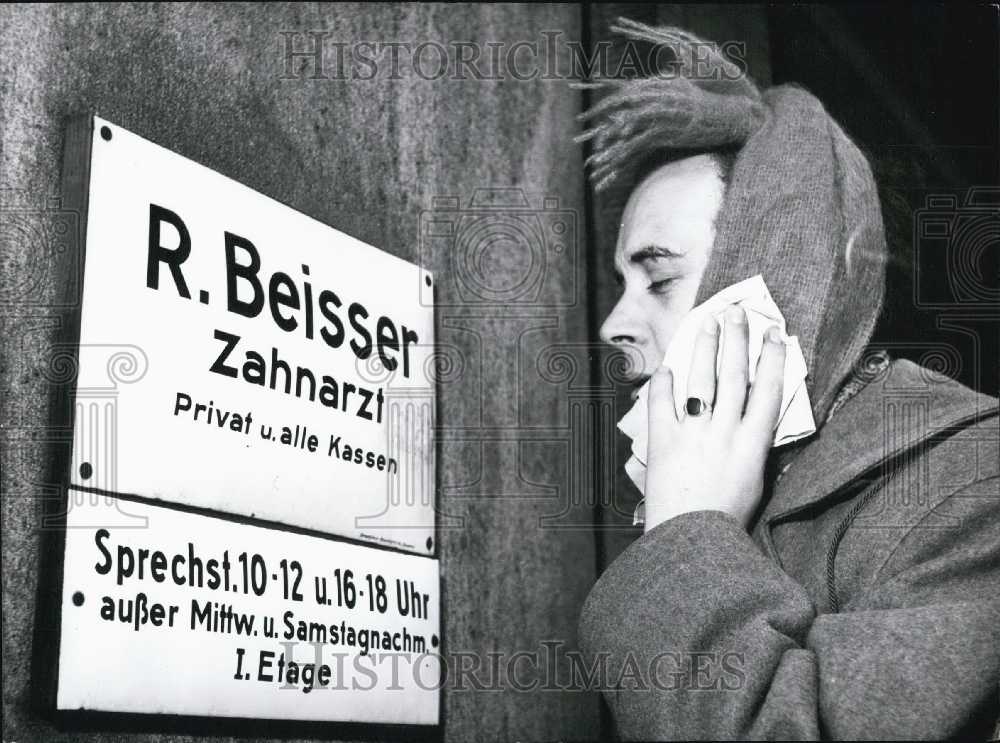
(801, 205)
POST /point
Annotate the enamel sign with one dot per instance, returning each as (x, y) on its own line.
(169, 612)
(240, 356)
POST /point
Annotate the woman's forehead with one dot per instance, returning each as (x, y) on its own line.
(672, 209)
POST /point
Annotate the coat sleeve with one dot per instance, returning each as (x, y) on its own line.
(705, 637)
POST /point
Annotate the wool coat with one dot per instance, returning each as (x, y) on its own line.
(865, 604)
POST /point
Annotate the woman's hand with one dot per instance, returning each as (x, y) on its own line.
(714, 460)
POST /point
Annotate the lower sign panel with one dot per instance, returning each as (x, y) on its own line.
(168, 612)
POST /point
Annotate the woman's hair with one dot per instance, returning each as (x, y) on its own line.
(723, 159)
(616, 195)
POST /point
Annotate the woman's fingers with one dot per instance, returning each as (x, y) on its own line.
(765, 395)
(731, 389)
(662, 412)
(701, 378)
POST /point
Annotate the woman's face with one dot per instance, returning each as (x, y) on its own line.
(663, 247)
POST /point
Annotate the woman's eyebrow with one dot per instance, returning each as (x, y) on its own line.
(652, 253)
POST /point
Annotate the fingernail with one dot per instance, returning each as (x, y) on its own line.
(735, 314)
(711, 325)
(774, 334)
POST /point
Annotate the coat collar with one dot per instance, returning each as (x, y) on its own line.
(904, 406)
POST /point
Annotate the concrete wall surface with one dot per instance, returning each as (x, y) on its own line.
(214, 83)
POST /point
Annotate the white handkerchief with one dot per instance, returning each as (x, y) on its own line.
(795, 420)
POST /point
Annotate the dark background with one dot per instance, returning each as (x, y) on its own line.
(918, 89)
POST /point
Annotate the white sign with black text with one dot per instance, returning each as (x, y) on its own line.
(278, 369)
(176, 613)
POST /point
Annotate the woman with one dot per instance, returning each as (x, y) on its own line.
(846, 586)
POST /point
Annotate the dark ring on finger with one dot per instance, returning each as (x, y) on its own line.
(696, 406)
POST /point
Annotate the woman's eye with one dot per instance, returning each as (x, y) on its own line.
(661, 286)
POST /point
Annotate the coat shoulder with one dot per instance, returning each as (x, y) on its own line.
(902, 471)
(930, 520)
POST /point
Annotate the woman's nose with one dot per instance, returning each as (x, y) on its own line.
(620, 327)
